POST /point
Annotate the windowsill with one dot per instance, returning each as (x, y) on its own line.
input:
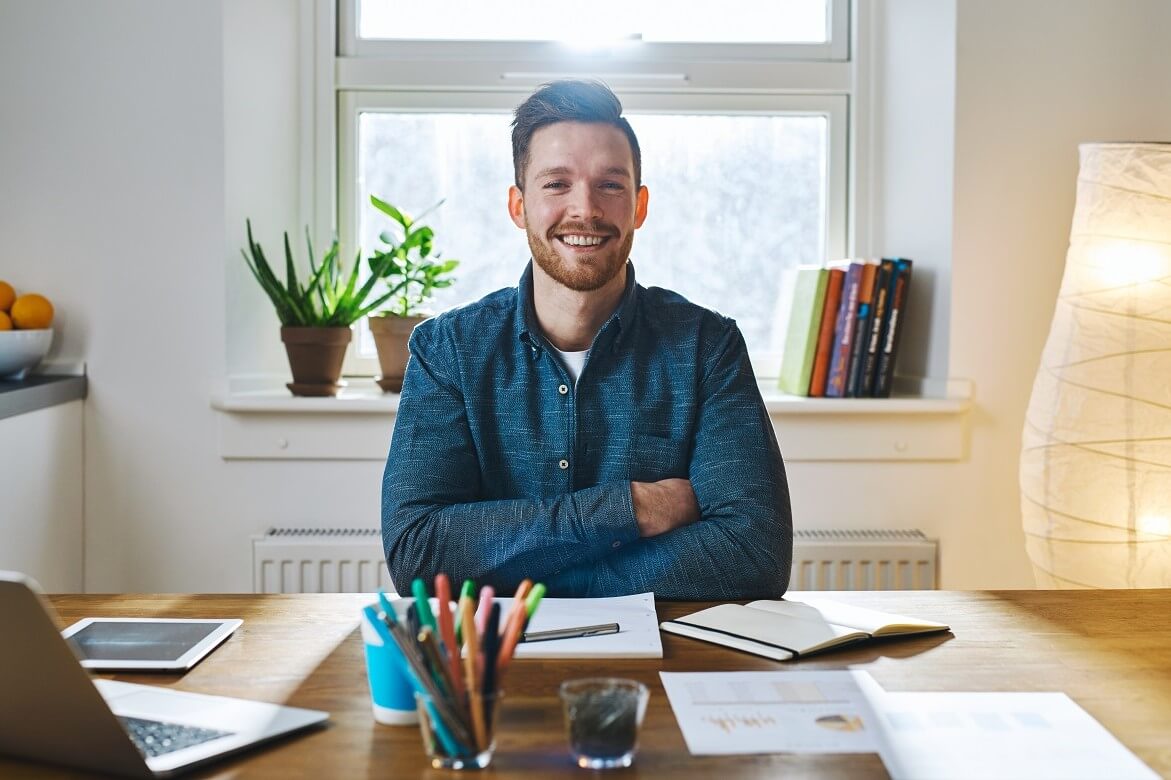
(260, 420)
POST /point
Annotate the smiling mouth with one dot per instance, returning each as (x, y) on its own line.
(582, 240)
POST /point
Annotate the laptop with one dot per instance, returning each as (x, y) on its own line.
(51, 710)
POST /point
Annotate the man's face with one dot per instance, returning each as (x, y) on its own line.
(580, 206)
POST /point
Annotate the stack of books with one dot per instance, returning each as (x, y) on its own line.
(844, 327)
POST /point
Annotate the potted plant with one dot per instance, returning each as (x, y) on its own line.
(316, 316)
(412, 276)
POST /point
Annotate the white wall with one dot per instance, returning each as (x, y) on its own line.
(1033, 79)
(136, 136)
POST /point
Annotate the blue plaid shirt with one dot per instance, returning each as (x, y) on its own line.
(501, 469)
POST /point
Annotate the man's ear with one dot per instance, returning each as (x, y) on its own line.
(516, 206)
(640, 207)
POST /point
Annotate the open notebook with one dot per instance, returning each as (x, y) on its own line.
(782, 630)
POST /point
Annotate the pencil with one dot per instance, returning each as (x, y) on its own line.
(475, 700)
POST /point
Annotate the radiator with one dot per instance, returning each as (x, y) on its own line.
(349, 560)
(863, 560)
(319, 560)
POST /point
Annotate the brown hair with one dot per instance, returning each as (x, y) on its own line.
(568, 100)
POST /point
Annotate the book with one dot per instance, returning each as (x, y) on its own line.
(858, 347)
(899, 286)
(785, 629)
(879, 313)
(825, 334)
(839, 366)
(801, 335)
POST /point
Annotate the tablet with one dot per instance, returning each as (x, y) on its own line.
(159, 644)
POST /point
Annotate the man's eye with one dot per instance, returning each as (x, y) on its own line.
(612, 185)
(554, 185)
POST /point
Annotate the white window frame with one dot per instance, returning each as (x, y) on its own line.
(347, 75)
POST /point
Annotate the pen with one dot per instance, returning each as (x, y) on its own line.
(513, 628)
(423, 604)
(486, 594)
(468, 593)
(569, 633)
(475, 700)
(534, 598)
(447, 634)
(491, 644)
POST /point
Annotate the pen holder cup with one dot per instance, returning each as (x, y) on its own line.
(602, 719)
(391, 692)
(454, 740)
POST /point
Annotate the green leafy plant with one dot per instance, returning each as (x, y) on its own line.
(329, 299)
(414, 273)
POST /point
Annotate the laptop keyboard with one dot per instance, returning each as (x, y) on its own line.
(154, 737)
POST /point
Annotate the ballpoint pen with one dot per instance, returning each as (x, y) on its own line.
(569, 633)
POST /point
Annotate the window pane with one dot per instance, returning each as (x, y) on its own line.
(725, 218)
(684, 21)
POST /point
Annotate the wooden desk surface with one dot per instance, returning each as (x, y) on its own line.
(1109, 650)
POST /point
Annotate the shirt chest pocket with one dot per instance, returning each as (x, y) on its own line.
(656, 457)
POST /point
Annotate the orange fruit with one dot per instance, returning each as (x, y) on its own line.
(5, 321)
(31, 312)
(7, 296)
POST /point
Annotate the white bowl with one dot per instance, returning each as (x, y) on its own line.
(20, 350)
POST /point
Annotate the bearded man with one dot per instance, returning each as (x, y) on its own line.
(579, 429)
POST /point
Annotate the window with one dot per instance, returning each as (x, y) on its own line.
(743, 124)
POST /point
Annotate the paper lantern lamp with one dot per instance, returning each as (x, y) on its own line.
(1096, 452)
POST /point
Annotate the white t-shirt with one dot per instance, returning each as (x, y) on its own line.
(574, 362)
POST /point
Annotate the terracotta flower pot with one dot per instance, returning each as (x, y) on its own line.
(391, 334)
(315, 358)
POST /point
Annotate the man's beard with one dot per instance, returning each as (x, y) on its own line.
(602, 267)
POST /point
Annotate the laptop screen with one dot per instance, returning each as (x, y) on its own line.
(139, 641)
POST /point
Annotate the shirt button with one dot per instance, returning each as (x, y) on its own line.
(616, 545)
(563, 389)
(563, 463)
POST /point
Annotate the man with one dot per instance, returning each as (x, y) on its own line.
(579, 429)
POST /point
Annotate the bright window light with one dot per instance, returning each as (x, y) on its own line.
(680, 21)
(734, 201)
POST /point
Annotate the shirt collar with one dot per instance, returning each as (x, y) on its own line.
(529, 332)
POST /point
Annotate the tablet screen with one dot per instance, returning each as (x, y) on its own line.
(139, 641)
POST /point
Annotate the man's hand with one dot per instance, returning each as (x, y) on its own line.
(663, 506)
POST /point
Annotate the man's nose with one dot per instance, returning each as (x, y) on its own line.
(584, 205)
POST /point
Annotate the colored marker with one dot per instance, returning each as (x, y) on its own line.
(423, 604)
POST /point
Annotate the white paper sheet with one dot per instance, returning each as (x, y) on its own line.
(723, 713)
(637, 637)
(1003, 735)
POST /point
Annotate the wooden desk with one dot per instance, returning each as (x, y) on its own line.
(1109, 650)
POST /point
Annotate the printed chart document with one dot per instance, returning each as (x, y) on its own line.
(1002, 735)
(638, 627)
(723, 713)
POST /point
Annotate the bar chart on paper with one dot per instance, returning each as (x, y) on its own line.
(724, 713)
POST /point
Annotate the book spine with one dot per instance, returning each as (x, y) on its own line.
(839, 366)
(825, 334)
(884, 374)
(861, 328)
(879, 315)
(801, 338)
